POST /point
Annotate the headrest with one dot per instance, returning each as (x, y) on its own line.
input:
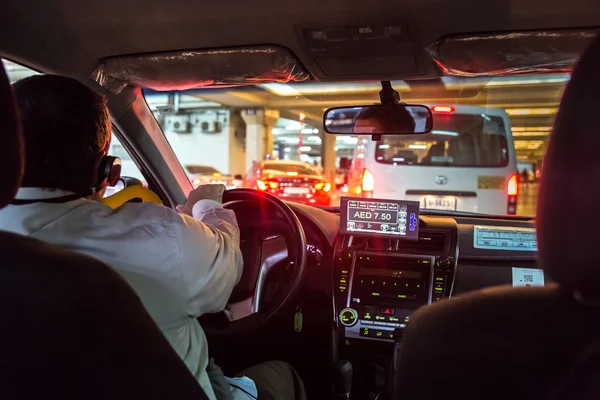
(568, 209)
(11, 143)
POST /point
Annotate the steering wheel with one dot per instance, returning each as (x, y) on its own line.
(272, 238)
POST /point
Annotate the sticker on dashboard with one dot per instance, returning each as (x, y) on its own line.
(504, 238)
(526, 277)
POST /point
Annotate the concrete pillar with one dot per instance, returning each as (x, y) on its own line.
(259, 139)
(328, 157)
(271, 117)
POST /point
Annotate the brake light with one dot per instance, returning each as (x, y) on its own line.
(261, 185)
(368, 181)
(324, 186)
(196, 182)
(443, 109)
(292, 173)
(264, 185)
(512, 189)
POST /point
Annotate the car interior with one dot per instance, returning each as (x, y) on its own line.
(459, 305)
(66, 338)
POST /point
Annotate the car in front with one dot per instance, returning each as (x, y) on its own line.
(466, 163)
(293, 181)
(203, 175)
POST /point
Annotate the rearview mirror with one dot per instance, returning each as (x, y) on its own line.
(400, 119)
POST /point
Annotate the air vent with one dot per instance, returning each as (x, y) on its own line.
(381, 244)
(429, 243)
(355, 242)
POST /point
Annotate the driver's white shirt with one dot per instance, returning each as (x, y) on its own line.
(181, 267)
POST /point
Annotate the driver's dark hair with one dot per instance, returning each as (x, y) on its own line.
(66, 126)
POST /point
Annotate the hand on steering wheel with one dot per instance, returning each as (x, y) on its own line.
(262, 251)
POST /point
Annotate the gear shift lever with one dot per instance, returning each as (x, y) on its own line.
(342, 371)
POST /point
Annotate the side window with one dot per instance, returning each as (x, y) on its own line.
(17, 72)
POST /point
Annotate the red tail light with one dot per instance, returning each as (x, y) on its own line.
(324, 186)
(368, 181)
(512, 189)
(260, 185)
(264, 185)
(442, 109)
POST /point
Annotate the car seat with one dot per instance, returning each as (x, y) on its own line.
(70, 326)
(528, 343)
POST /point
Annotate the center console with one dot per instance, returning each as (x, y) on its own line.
(389, 261)
(385, 273)
(384, 290)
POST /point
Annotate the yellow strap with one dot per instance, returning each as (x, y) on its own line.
(130, 193)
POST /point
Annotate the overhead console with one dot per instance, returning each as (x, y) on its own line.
(389, 262)
(366, 51)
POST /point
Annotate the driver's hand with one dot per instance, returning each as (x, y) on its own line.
(203, 192)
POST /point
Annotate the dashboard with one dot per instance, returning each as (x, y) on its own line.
(384, 267)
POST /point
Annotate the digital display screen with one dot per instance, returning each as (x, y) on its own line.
(389, 218)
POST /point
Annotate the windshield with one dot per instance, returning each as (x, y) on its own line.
(457, 140)
(301, 169)
(484, 155)
(201, 169)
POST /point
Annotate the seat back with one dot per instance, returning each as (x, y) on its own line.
(582, 381)
(70, 327)
(528, 343)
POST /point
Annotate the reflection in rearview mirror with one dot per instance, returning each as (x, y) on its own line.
(379, 120)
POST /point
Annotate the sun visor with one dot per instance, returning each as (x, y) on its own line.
(510, 53)
(181, 70)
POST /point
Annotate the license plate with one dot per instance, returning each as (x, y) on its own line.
(296, 190)
(440, 202)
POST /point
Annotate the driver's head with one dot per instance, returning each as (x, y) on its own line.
(384, 119)
(66, 129)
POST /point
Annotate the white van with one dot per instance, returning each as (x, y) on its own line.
(466, 163)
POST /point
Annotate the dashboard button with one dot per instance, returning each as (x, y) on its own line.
(348, 317)
(387, 311)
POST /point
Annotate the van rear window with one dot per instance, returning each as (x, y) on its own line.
(456, 140)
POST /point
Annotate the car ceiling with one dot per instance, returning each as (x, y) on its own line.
(69, 37)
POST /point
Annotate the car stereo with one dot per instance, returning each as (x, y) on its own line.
(385, 289)
(384, 218)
